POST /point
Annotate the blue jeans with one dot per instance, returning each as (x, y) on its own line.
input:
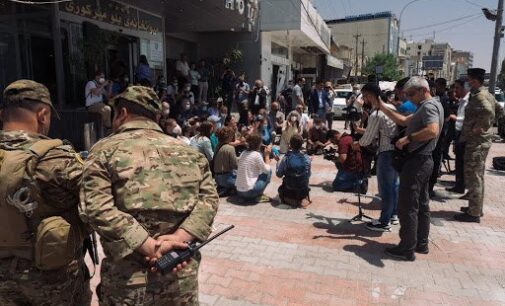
(346, 181)
(226, 180)
(259, 187)
(389, 183)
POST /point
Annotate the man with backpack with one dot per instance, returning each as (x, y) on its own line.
(294, 169)
(41, 242)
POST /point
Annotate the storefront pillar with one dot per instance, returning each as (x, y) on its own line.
(58, 56)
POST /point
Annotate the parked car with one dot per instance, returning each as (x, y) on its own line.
(500, 97)
(340, 101)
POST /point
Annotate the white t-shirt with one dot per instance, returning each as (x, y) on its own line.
(463, 102)
(92, 99)
(250, 167)
(182, 67)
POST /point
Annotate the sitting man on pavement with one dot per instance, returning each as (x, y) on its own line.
(294, 169)
(318, 137)
(349, 163)
(225, 162)
(254, 172)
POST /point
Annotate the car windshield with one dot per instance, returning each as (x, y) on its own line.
(343, 94)
(499, 97)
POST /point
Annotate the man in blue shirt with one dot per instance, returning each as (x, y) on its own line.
(406, 107)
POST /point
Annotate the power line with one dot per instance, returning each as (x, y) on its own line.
(473, 3)
(440, 23)
(448, 28)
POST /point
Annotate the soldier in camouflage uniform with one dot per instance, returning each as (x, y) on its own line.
(26, 116)
(138, 185)
(479, 118)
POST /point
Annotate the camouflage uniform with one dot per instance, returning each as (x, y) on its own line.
(57, 174)
(137, 183)
(479, 112)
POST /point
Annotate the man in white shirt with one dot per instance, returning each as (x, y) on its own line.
(383, 128)
(182, 68)
(463, 94)
(94, 92)
(298, 93)
(254, 172)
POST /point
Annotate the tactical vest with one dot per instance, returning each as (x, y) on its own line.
(50, 242)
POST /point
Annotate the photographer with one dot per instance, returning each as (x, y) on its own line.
(318, 137)
(349, 162)
(382, 127)
(421, 135)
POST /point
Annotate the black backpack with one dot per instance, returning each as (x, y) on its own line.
(295, 183)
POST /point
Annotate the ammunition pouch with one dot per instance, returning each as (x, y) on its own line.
(55, 244)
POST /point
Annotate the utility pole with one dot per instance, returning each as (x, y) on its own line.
(496, 46)
(362, 55)
(357, 36)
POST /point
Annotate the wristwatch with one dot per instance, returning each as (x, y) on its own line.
(409, 137)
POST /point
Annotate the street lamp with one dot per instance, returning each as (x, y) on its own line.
(399, 23)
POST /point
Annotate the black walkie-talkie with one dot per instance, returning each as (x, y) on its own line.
(170, 260)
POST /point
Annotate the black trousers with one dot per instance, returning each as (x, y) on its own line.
(460, 162)
(437, 156)
(413, 202)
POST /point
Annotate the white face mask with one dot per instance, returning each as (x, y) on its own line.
(166, 112)
(293, 119)
(187, 107)
(467, 86)
(101, 80)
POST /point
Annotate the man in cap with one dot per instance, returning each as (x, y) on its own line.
(39, 196)
(138, 185)
(479, 118)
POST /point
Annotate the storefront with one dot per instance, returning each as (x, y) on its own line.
(63, 45)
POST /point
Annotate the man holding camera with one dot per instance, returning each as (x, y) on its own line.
(349, 162)
(421, 135)
(146, 193)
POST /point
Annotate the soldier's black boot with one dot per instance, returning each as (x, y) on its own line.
(465, 210)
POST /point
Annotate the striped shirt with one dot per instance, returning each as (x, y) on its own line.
(250, 167)
(379, 124)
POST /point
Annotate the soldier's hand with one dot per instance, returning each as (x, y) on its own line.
(163, 247)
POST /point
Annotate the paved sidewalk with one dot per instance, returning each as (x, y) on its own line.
(314, 256)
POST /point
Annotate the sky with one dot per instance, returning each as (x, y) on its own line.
(474, 33)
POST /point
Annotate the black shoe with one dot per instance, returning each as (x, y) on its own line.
(456, 190)
(377, 226)
(466, 196)
(465, 210)
(422, 249)
(400, 254)
(464, 217)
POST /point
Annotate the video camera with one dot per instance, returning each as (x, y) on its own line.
(352, 114)
(330, 154)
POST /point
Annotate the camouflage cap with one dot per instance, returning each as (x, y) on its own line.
(141, 95)
(27, 90)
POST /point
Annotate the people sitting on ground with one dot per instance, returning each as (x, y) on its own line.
(213, 137)
(318, 137)
(262, 127)
(295, 171)
(201, 142)
(95, 92)
(349, 163)
(276, 119)
(172, 128)
(290, 128)
(254, 172)
(225, 162)
(303, 119)
(186, 112)
(187, 94)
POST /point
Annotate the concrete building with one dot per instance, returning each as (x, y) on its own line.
(431, 58)
(462, 61)
(367, 34)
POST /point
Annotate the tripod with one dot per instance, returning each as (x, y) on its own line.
(359, 182)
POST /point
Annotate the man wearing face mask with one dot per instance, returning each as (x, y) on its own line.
(318, 137)
(35, 271)
(257, 97)
(477, 133)
(94, 92)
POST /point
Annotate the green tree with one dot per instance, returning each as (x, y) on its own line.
(389, 66)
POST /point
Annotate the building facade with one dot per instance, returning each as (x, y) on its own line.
(368, 35)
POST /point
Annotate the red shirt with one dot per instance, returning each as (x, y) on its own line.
(353, 162)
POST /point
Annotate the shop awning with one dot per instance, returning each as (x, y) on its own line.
(334, 62)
